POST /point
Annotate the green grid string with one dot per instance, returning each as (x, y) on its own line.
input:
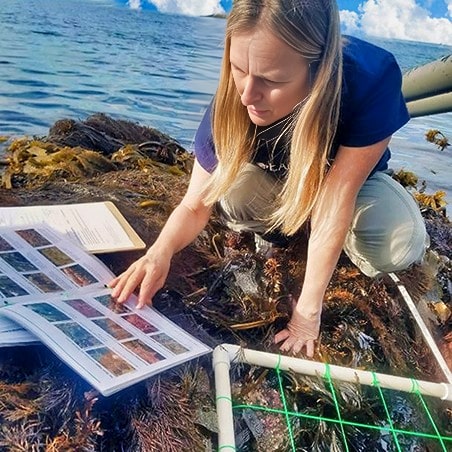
(416, 391)
(284, 402)
(336, 421)
(342, 422)
(336, 404)
(376, 384)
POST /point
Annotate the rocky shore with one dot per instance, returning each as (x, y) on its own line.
(219, 290)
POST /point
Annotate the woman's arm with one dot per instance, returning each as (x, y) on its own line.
(183, 225)
(330, 223)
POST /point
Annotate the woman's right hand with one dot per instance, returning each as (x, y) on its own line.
(149, 272)
(184, 224)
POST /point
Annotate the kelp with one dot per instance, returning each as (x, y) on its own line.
(436, 201)
(220, 290)
(106, 135)
(84, 149)
(438, 138)
(33, 160)
(433, 201)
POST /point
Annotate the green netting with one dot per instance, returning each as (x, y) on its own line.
(444, 442)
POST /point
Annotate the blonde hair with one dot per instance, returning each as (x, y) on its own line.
(311, 27)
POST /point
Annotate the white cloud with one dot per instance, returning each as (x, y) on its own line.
(134, 4)
(189, 7)
(350, 21)
(400, 19)
(449, 6)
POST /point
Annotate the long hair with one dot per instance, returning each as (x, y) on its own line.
(310, 27)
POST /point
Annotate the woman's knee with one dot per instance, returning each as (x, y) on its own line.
(388, 232)
(252, 195)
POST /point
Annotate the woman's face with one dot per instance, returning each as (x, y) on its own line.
(270, 76)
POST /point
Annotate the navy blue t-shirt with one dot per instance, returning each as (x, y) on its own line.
(372, 108)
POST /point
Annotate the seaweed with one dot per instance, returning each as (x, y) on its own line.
(437, 137)
(219, 290)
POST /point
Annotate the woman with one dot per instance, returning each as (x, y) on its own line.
(297, 133)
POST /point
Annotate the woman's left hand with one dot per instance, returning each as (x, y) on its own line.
(300, 332)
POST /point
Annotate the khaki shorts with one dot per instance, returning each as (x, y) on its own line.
(387, 233)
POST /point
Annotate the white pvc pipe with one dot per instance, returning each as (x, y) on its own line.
(430, 105)
(314, 368)
(221, 367)
(424, 330)
(428, 80)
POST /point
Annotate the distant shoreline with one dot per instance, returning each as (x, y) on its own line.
(218, 15)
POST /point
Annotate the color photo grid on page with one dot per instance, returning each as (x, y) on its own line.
(42, 282)
(135, 333)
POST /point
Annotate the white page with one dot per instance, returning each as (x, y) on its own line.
(91, 225)
(112, 346)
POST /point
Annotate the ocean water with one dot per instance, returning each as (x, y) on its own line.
(68, 59)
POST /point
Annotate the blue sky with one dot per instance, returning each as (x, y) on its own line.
(418, 20)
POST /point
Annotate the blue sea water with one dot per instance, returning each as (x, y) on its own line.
(70, 58)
